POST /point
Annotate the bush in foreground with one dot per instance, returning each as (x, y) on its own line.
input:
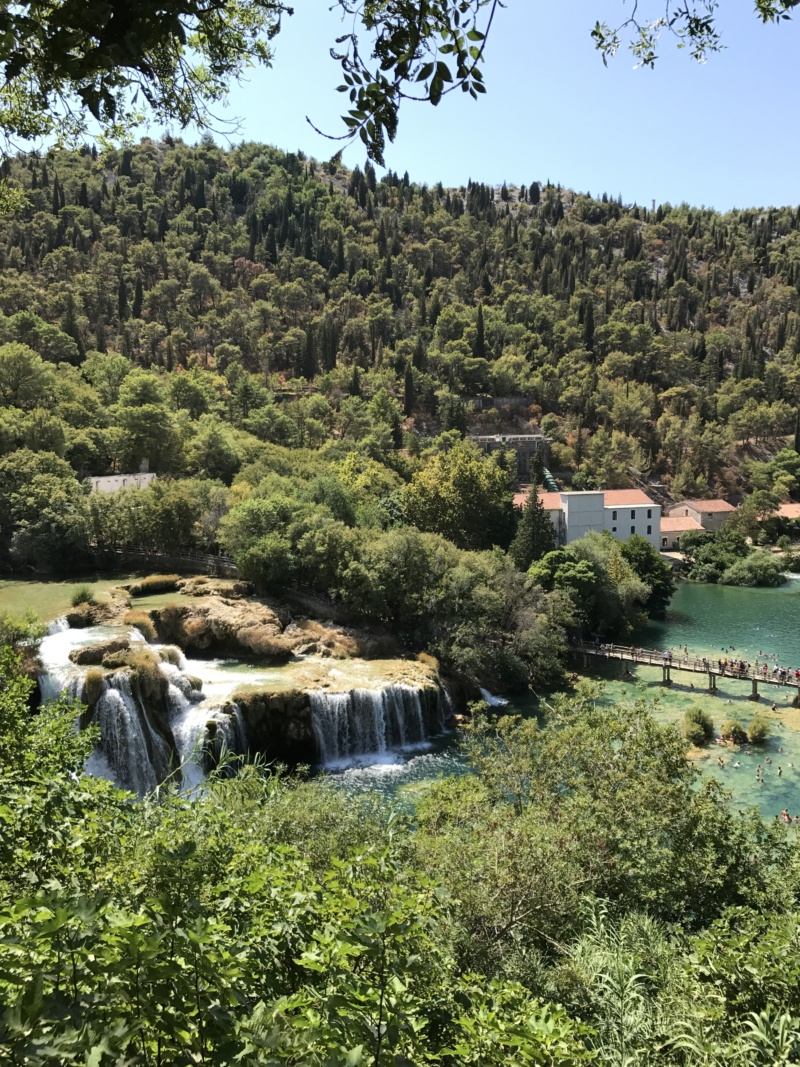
(758, 730)
(733, 730)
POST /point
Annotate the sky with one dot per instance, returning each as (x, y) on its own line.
(724, 134)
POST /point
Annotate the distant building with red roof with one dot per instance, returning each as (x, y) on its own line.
(620, 511)
(711, 514)
(674, 527)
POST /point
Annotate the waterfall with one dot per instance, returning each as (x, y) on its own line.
(371, 720)
(189, 720)
(137, 755)
(57, 626)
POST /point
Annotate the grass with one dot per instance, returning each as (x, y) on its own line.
(143, 623)
(48, 599)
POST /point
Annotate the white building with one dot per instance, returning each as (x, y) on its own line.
(110, 483)
(620, 511)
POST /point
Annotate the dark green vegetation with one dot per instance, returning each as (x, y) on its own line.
(727, 557)
(272, 921)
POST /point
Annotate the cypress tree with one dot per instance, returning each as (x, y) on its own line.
(122, 299)
(310, 356)
(535, 535)
(419, 353)
(479, 351)
(69, 324)
(409, 396)
(588, 326)
(138, 298)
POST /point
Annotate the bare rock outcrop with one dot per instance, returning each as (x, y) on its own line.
(223, 626)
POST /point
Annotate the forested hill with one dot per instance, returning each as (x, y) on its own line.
(648, 343)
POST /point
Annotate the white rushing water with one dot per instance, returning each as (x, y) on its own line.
(198, 721)
(133, 751)
(366, 722)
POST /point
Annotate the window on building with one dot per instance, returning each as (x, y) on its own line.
(633, 529)
(649, 513)
(613, 514)
(649, 529)
(663, 542)
(633, 513)
(613, 529)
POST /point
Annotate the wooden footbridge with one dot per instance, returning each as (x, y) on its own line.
(691, 664)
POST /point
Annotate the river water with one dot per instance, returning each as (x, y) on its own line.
(711, 620)
(708, 619)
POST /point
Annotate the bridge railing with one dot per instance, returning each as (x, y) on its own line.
(687, 662)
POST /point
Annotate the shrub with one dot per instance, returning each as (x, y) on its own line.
(82, 594)
(698, 726)
(733, 730)
(93, 686)
(428, 661)
(143, 623)
(758, 569)
(758, 730)
(171, 654)
(155, 583)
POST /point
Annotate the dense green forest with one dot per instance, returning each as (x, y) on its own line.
(293, 349)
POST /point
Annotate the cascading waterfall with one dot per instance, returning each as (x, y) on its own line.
(131, 748)
(190, 719)
(372, 720)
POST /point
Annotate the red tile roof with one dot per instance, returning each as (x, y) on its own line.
(679, 524)
(614, 498)
(789, 511)
(550, 501)
(705, 505)
(622, 498)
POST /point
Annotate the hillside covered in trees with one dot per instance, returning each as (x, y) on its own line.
(295, 350)
(658, 343)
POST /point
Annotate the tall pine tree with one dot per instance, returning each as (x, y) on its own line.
(409, 395)
(535, 536)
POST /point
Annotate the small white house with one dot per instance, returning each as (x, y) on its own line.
(110, 483)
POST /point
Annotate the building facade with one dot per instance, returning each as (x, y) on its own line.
(673, 527)
(711, 514)
(110, 483)
(621, 512)
(526, 445)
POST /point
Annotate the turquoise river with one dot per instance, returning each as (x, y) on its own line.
(708, 619)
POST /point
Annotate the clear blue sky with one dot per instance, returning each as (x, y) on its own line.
(725, 134)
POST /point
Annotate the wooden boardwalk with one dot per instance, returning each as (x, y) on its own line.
(691, 664)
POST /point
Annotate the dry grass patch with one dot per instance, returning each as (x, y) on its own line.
(94, 682)
(155, 583)
(143, 623)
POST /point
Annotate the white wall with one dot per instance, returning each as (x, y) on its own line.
(110, 483)
(642, 519)
(583, 513)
